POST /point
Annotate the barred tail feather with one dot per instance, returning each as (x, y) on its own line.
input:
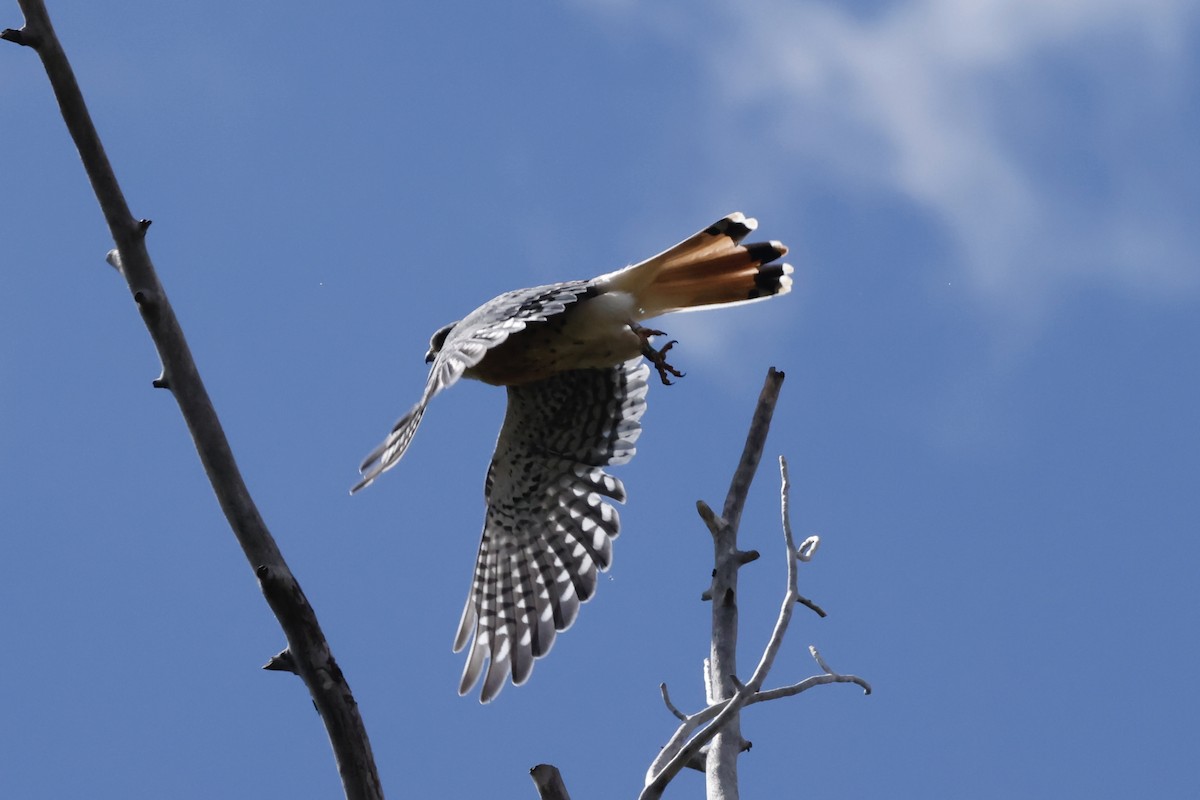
(710, 268)
(742, 277)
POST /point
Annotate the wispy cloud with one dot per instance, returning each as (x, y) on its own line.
(1047, 138)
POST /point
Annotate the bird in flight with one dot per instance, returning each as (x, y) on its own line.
(570, 355)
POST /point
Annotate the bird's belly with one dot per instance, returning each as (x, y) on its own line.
(584, 337)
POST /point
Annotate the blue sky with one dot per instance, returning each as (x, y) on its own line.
(990, 410)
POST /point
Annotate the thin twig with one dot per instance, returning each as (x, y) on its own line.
(804, 601)
(789, 597)
(804, 553)
(808, 683)
(808, 549)
(715, 524)
(307, 652)
(671, 706)
(829, 677)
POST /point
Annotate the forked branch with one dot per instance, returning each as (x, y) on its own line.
(696, 732)
(695, 741)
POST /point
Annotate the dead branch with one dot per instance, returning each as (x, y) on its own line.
(727, 695)
(307, 654)
(728, 743)
(549, 782)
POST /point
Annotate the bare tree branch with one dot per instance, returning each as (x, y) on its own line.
(829, 676)
(674, 756)
(671, 706)
(307, 653)
(680, 752)
(721, 773)
(689, 741)
(549, 782)
(789, 597)
(722, 687)
(756, 440)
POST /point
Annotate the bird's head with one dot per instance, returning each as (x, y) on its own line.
(437, 340)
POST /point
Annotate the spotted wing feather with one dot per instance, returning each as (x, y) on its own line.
(549, 527)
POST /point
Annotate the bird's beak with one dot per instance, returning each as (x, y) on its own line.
(429, 356)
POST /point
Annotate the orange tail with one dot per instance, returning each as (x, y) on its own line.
(711, 268)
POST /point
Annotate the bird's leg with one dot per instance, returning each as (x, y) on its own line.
(658, 357)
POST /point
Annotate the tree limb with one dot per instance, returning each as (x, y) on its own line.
(662, 687)
(722, 688)
(549, 782)
(720, 717)
(307, 653)
(721, 772)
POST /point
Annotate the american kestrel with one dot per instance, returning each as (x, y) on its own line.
(571, 357)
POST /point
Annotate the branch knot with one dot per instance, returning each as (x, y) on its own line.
(23, 37)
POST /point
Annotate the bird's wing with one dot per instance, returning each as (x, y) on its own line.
(467, 343)
(548, 528)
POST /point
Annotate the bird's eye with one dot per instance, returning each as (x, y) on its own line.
(439, 338)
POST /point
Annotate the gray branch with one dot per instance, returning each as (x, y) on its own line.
(307, 654)
(723, 690)
(721, 772)
(726, 694)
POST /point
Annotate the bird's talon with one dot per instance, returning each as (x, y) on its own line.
(659, 357)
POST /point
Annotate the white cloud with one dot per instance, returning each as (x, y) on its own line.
(1025, 128)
